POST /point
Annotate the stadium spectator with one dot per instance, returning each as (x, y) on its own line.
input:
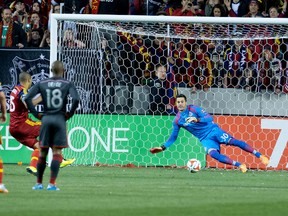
(19, 13)
(209, 6)
(254, 10)
(200, 124)
(277, 76)
(235, 61)
(35, 22)
(248, 81)
(42, 7)
(273, 11)
(171, 5)
(12, 33)
(45, 42)
(268, 70)
(181, 64)
(34, 38)
(202, 69)
(106, 7)
(236, 8)
(218, 11)
(53, 132)
(70, 41)
(3, 117)
(134, 54)
(187, 9)
(161, 91)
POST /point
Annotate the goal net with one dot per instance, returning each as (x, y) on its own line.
(128, 69)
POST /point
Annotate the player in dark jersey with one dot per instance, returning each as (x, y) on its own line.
(2, 119)
(54, 92)
(21, 127)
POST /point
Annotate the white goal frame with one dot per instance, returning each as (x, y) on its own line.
(184, 20)
(156, 19)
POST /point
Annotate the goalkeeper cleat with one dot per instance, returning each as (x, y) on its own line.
(243, 168)
(32, 170)
(52, 187)
(3, 189)
(67, 162)
(38, 186)
(264, 160)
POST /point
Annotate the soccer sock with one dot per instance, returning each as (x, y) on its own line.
(34, 158)
(244, 146)
(1, 171)
(223, 158)
(41, 165)
(55, 164)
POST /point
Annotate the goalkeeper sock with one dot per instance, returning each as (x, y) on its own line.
(55, 165)
(244, 146)
(34, 158)
(41, 165)
(223, 158)
(1, 171)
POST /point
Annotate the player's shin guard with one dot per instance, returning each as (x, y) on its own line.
(55, 165)
(41, 165)
(244, 146)
(1, 171)
(34, 158)
(223, 158)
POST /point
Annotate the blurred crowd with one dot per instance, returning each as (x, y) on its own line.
(253, 65)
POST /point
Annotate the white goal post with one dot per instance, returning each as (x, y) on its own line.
(235, 68)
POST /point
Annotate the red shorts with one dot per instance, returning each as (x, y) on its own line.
(26, 133)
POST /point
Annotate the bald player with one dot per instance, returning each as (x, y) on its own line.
(54, 92)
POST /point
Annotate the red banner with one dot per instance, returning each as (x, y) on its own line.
(269, 136)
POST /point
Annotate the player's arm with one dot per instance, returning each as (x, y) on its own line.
(3, 107)
(28, 99)
(75, 100)
(36, 100)
(169, 142)
(202, 116)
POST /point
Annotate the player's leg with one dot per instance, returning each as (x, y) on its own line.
(58, 142)
(32, 168)
(41, 165)
(3, 189)
(55, 165)
(212, 147)
(244, 146)
(33, 131)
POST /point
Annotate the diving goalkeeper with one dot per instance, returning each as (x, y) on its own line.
(200, 124)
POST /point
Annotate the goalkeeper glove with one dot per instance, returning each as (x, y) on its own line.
(191, 119)
(157, 149)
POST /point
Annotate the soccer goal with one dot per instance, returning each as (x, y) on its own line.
(235, 68)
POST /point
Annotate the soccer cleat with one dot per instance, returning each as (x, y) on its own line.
(67, 162)
(38, 186)
(264, 160)
(52, 187)
(243, 168)
(32, 170)
(3, 189)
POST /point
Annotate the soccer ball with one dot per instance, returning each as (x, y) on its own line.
(193, 165)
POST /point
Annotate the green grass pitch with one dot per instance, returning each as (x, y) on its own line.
(115, 191)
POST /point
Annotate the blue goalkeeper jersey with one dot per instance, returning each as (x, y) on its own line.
(199, 129)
